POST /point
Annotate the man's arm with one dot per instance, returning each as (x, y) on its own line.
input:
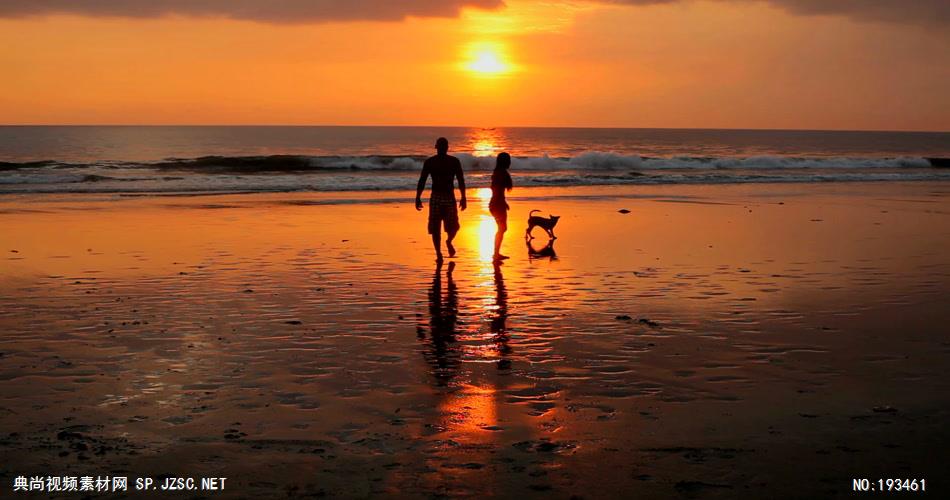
(421, 186)
(463, 203)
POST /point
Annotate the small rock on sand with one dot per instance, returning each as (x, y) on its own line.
(294, 322)
(623, 317)
(648, 322)
(67, 435)
(696, 486)
(624, 211)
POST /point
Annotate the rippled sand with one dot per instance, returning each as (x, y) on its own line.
(772, 341)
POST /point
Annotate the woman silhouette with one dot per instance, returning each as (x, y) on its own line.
(500, 182)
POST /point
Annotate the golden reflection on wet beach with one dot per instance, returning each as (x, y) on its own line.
(304, 327)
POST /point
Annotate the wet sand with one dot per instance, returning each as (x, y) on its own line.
(774, 341)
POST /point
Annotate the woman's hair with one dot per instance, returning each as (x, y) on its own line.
(500, 176)
(503, 160)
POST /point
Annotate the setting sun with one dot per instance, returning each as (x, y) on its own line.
(487, 59)
(487, 62)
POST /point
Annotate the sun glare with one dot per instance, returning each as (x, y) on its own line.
(487, 62)
(486, 237)
(487, 59)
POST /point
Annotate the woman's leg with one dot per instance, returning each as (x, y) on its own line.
(501, 218)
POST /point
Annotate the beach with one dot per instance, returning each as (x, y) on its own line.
(768, 340)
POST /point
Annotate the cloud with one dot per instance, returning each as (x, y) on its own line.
(925, 12)
(275, 11)
(901, 11)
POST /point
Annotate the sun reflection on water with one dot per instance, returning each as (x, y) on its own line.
(486, 142)
(483, 148)
(485, 236)
(470, 410)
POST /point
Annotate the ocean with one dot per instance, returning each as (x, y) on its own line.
(236, 159)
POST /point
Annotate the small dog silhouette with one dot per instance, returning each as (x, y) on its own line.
(546, 223)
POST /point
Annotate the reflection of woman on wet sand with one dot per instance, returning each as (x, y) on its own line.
(443, 354)
(499, 328)
(500, 182)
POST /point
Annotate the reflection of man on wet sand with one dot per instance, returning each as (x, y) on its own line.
(444, 357)
(444, 169)
(443, 354)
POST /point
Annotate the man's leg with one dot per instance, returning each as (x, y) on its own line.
(435, 225)
(437, 244)
(451, 228)
(448, 242)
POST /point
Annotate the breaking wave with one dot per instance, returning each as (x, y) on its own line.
(381, 172)
(592, 160)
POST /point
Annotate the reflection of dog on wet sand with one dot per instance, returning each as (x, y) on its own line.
(546, 223)
(546, 252)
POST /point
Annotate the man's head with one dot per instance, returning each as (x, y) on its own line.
(442, 145)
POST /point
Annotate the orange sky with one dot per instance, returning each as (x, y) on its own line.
(730, 64)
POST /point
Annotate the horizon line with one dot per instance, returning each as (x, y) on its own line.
(737, 129)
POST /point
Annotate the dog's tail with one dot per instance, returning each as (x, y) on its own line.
(533, 211)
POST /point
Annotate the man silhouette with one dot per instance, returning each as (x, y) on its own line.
(444, 169)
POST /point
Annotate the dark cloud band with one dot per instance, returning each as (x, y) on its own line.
(282, 11)
(929, 12)
(926, 12)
